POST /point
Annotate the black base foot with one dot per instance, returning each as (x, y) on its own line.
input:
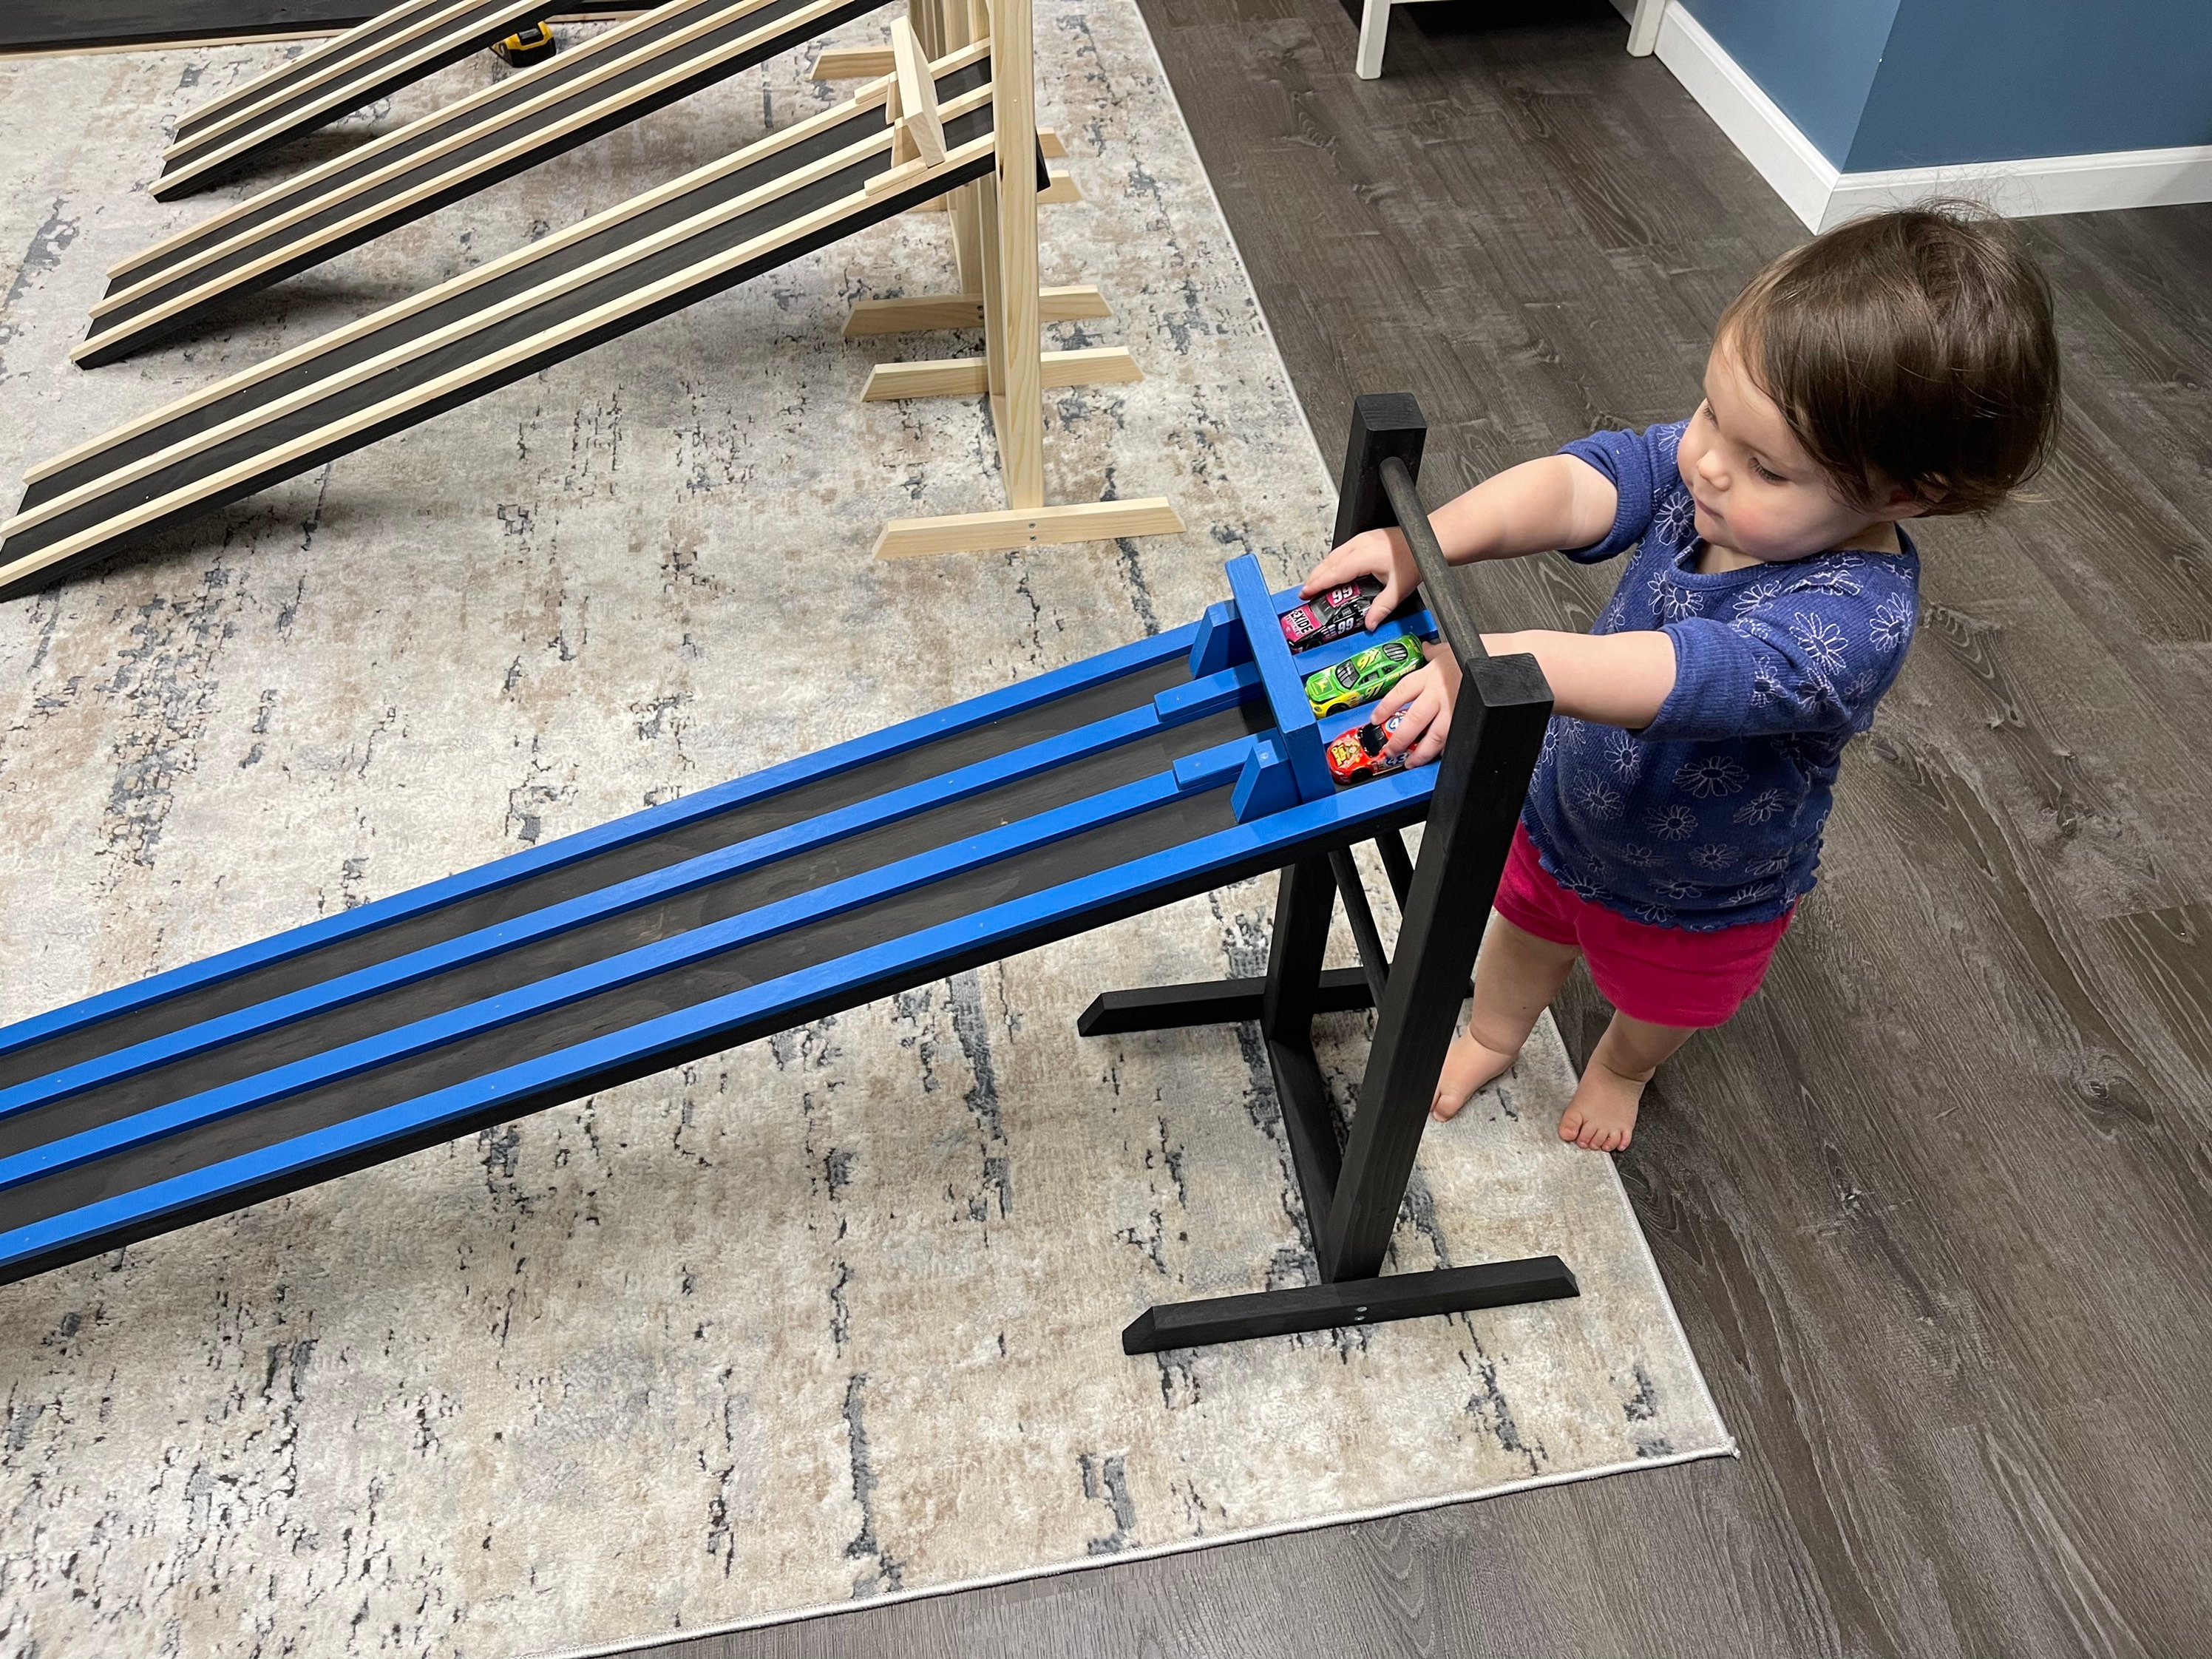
(1216, 1002)
(1353, 1302)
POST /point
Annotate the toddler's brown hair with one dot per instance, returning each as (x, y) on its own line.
(1912, 348)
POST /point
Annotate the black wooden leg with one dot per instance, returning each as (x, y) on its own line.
(1373, 959)
(1496, 727)
(1392, 845)
(1303, 905)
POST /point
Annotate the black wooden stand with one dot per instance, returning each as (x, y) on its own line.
(1352, 1191)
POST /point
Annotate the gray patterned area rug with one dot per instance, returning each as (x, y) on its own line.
(828, 1319)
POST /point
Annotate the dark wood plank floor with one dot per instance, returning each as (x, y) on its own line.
(1937, 1209)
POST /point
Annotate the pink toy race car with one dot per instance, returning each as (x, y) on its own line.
(1340, 611)
(1357, 755)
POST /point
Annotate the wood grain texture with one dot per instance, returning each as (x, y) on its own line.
(1937, 1208)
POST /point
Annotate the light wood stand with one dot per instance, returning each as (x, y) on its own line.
(994, 245)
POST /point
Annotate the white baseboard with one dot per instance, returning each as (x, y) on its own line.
(2041, 184)
(1820, 196)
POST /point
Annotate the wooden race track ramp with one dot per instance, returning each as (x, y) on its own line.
(620, 76)
(785, 195)
(1147, 774)
(414, 38)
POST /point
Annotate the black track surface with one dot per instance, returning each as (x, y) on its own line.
(382, 70)
(375, 211)
(603, 869)
(437, 129)
(54, 25)
(356, 47)
(549, 1030)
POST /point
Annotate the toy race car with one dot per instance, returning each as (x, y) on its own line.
(534, 43)
(1356, 755)
(1364, 677)
(1340, 611)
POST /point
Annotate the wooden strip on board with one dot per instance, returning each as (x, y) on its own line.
(970, 377)
(844, 207)
(921, 312)
(865, 99)
(1043, 526)
(106, 343)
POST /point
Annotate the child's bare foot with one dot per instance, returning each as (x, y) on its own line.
(1602, 1117)
(1468, 1066)
(1603, 1114)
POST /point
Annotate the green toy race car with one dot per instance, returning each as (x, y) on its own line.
(1365, 677)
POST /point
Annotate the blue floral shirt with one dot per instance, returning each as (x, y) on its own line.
(1710, 816)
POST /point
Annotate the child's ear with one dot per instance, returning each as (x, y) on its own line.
(1894, 501)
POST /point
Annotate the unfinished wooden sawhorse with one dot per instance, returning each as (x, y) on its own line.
(994, 238)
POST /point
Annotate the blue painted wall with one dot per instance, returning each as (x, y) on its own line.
(1899, 83)
(1994, 80)
(1816, 59)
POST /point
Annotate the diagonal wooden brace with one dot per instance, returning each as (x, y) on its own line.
(916, 96)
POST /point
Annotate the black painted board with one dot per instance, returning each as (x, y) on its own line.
(297, 113)
(409, 141)
(318, 414)
(462, 299)
(312, 60)
(57, 24)
(465, 299)
(381, 210)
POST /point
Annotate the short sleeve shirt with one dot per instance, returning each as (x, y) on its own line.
(1711, 816)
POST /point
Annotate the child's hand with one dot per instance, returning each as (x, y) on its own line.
(1381, 554)
(1427, 694)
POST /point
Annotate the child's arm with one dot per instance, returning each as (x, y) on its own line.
(1615, 679)
(1557, 500)
(1554, 501)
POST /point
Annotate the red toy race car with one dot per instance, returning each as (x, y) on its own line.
(1357, 755)
(1340, 611)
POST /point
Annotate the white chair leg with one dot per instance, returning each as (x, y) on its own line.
(1644, 27)
(1373, 27)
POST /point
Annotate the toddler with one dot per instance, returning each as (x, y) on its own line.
(1898, 367)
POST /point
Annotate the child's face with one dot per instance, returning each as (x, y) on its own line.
(1758, 493)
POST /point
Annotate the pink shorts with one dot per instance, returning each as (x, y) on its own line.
(1664, 976)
